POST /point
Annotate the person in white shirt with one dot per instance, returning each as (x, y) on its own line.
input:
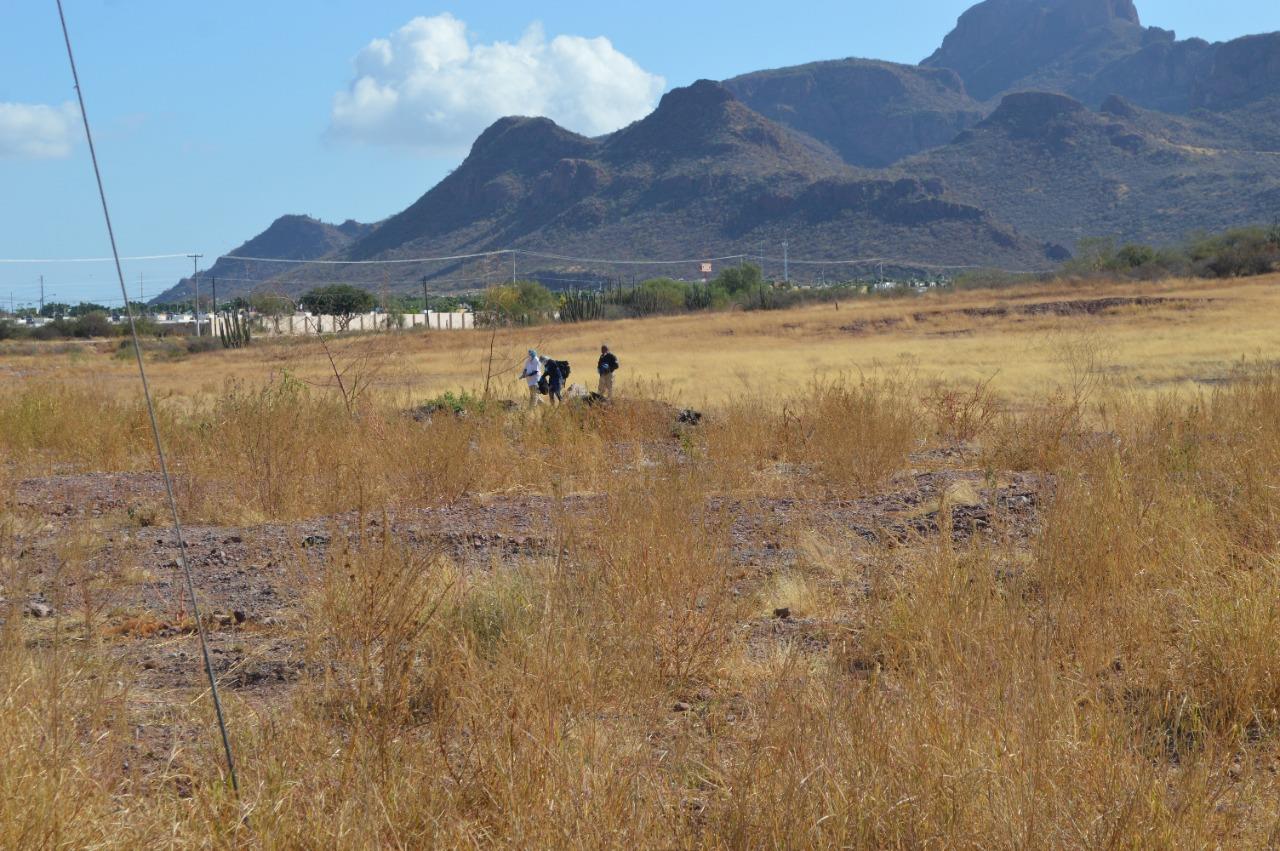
(532, 369)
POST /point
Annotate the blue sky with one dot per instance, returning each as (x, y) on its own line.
(214, 118)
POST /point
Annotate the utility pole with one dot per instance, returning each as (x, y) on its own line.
(425, 303)
(195, 282)
(786, 269)
(513, 265)
(213, 315)
(141, 298)
(42, 295)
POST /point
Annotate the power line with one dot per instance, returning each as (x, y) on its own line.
(602, 261)
(151, 413)
(90, 259)
(366, 262)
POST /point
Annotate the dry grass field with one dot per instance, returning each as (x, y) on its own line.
(991, 569)
(1186, 333)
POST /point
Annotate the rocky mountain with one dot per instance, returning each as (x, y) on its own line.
(702, 174)
(1036, 123)
(290, 237)
(1091, 49)
(1059, 45)
(1063, 171)
(871, 113)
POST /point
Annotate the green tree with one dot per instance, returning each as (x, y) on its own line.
(444, 304)
(739, 280)
(95, 324)
(1093, 254)
(1133, 256)
(271, 307)
(341, 301)
(523, 301)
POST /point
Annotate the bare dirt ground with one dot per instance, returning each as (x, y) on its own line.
(251, 580)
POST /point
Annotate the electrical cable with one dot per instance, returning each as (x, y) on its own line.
(151, 413)
(91, 259)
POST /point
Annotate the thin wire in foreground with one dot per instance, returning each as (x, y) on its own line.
(151, 413)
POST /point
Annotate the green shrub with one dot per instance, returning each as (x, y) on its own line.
(523, 301)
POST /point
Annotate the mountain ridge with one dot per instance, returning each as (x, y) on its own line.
(1035, 122)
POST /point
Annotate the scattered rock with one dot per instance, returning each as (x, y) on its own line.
(784, 612)
(688, 416)
(681, 706)
(37, 609)
(315, 541)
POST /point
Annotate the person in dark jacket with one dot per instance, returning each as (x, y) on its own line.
(554, 378)
(606, 367)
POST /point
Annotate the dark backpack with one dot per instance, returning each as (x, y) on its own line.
(563, 367)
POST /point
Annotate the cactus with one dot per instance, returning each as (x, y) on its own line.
(234, 330)
(581, 306)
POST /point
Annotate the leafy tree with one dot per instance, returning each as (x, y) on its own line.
(95, 324)
(271, 306)
(1133, 256)
(341, 301)
(737, 280)
(523, 301)
(444, 304)
(1093, 255)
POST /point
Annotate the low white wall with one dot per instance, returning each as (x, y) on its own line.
(305, 324)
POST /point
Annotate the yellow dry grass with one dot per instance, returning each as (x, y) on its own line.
(1103, 672)
(1193, 337)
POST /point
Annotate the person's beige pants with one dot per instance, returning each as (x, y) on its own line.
(606, 384)
(533, 395)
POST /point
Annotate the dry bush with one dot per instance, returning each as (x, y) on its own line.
(43, 424)
(655, 569)
(961, 414)
(743, 440)
(373, 615)
(855, 435)
(63, 719)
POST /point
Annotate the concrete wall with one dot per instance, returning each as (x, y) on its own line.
(302, 323)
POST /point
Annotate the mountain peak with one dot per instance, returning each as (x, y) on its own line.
(701, 94)
(998, 43)
(704, 123)
(533, 135)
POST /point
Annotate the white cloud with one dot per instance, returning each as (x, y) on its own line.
(37, 131)
(429, 87)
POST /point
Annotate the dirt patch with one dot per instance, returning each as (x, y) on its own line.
(252, 581)
(871, 326)
(1070, 307)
